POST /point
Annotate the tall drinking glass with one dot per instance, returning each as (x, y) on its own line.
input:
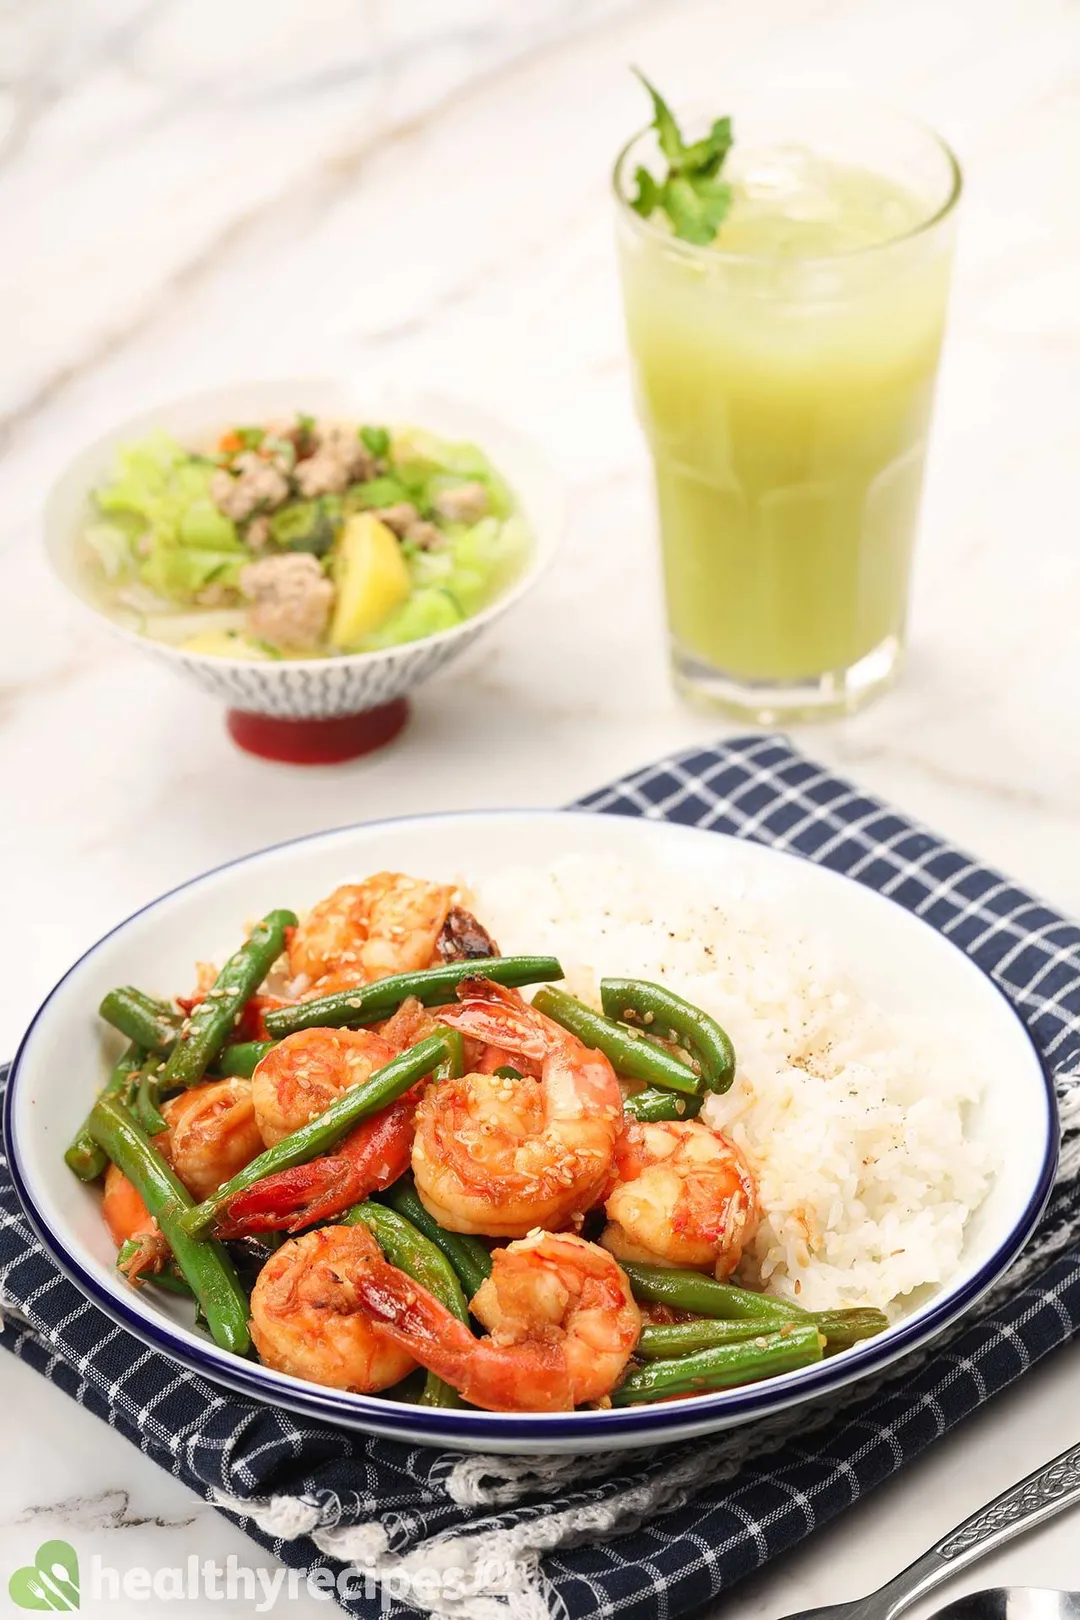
(784, 377)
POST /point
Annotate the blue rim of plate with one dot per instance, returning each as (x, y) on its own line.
(394, 1418)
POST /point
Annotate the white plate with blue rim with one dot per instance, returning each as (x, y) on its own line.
(892, 956)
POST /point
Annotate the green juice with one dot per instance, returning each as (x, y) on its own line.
(784, 378)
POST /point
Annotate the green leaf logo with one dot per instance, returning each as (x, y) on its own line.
(50, 1582)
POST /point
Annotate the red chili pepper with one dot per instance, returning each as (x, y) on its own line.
(370, 1158)
(251, 1024)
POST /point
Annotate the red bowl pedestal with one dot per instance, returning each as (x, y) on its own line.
(317, 742)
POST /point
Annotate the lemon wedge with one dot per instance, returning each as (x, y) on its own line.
(372, 578)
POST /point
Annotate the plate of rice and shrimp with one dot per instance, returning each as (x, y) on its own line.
(530, 1130)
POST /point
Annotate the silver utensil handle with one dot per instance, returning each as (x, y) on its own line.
(1039, 1497)
(1048, 1491)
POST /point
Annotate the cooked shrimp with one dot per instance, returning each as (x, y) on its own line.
(306, 1319)
(684, 1197)
(212, 1134)
(329, 984)
(559, 1312)
(301, 1076)
(372, 1156)
(128, 1218)
(501, 1156)
(390, 923)
(411, 1023)
(122, 1206)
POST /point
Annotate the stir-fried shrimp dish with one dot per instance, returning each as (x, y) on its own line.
(381, 1156)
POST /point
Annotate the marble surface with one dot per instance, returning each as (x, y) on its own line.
(193, 193)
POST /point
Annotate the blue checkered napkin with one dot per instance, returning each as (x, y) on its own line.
(628, 1535)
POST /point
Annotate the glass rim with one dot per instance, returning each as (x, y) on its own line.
(710, 254)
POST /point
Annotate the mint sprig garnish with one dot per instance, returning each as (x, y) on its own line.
(691, 194)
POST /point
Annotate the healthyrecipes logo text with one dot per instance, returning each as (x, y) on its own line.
(52, 1582)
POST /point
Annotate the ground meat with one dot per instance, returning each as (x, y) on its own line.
(464, 503)
(257, 533)
(321, 474)
(399, 518)
(257, 486)
(341, 458)
(425, 535)
(291, 599)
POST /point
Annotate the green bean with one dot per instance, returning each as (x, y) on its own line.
(146, 1108)
(369, 1003)
(406, 1247)
(205, 1264)
(662, 1341)
(319, 1135)
(84, 1156)
(436, 1392)
(241, 1058)
(468, 1256)
(839, 1329)
(725, 1366)
(693, 1291)
(207, 1030)
(454, 1064)
(172, 1282)
(628, 1052)
(655, 1104)
(143, 1019)
(663, 1013)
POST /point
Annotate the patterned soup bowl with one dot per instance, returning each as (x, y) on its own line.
(312, 710)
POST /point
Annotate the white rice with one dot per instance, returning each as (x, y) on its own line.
(853, 1120)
